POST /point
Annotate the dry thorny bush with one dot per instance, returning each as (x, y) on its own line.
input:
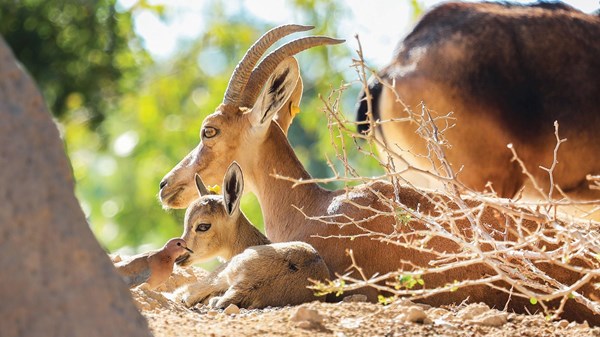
(514, 261)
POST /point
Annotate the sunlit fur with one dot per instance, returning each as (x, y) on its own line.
(507, 72)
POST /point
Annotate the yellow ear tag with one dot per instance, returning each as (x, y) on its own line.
(215, 189)
(295, 110)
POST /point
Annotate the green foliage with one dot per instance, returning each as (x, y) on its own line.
(336, 286)
(385, 300)
(454, 286)
(83, 54)
(417, 9)
(403, 216)
(408, 281)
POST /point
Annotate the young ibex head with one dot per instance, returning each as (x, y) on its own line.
(214, 223)
(242, 121)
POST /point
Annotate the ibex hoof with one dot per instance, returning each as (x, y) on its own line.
(214, 302)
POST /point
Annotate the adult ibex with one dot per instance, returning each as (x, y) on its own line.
(507, 72)
(241, 129)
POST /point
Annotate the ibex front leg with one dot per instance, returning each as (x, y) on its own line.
(204, 290)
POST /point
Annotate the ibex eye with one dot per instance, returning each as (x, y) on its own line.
(203, 227)
(209, 132)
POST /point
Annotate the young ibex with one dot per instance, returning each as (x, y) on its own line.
(258, 273)
(507, 72)
(241, 129)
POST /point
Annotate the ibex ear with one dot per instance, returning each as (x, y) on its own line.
(200, 186)
(277, 91)
(233, 187)
(291, 108)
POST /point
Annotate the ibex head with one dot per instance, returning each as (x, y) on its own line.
(211, 220)
(238, 126)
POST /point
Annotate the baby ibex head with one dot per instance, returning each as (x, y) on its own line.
(238, 127)
(211, 221)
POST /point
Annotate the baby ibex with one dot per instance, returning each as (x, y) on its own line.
(258, 273)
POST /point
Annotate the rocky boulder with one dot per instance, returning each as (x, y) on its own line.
(55, 279)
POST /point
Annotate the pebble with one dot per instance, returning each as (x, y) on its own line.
(563, 323)
(412, 314)
(491, 318)
(307, 318)
(351, 323)
(443, 323)
(408, 303)
(212, 312)
(231, 309)
(306, 325)
(355, 298)
(472, 310)
(303, 313)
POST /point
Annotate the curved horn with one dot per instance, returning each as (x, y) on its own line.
(261, 73)
(240, 75)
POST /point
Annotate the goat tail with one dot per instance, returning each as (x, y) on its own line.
(362, 107)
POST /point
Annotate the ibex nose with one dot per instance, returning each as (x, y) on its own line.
(162, 184)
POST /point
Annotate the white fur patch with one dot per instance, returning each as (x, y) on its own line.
(337, 202)
(415, 55)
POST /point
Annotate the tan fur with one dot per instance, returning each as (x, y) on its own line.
(286, 114)
(262, 149)
(258, 273)
(507, 72)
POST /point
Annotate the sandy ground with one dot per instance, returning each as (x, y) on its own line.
(351, 317)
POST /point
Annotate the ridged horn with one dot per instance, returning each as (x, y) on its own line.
(261, 73)
(242, 71)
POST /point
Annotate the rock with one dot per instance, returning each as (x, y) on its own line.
(181, 277)
(304, 325)
(408, 303)
(303, 313)
(355, 298)
(231, 309)
(512, 317)
(442, 322)
(56, 279)
(491, 318)
(563, 323)
(412, 314)
(351, 323)
(307, 318)
(436, 313)
(115, 257)
(472, 310)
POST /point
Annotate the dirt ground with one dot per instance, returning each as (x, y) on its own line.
(351, 317)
